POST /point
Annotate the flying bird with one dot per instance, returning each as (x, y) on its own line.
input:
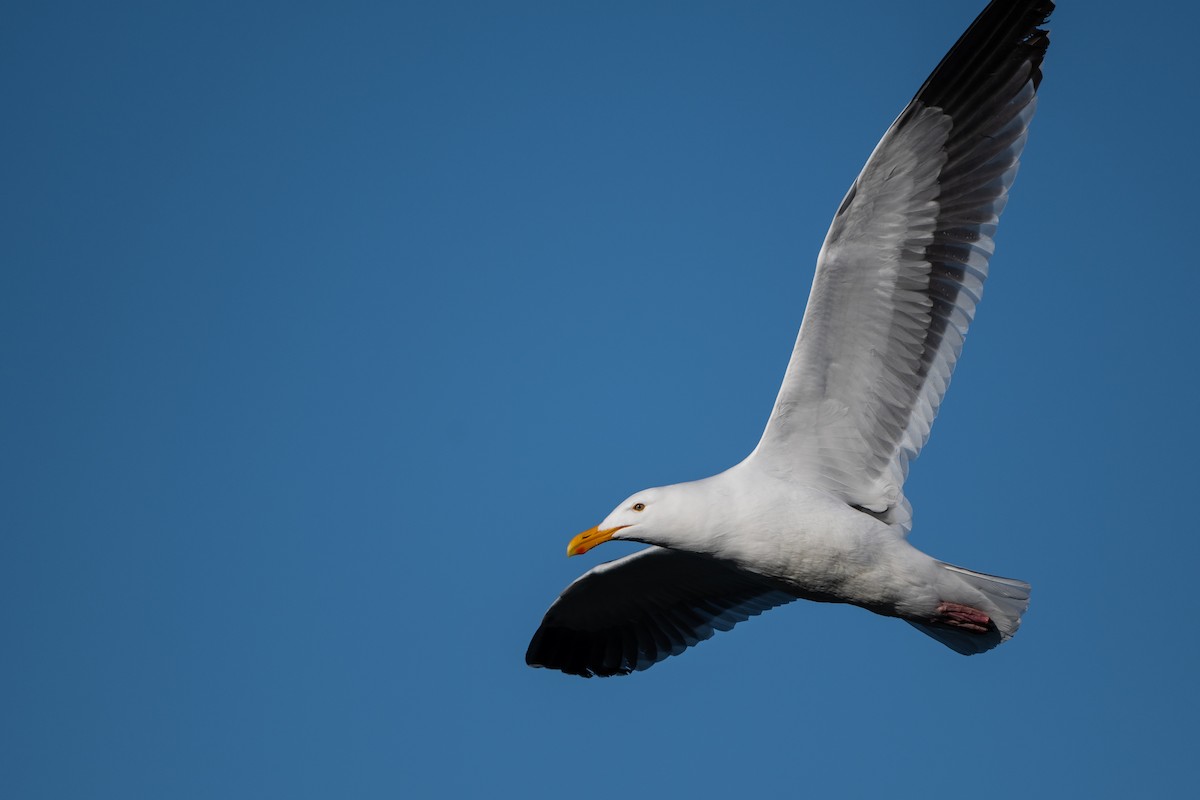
(817, 511)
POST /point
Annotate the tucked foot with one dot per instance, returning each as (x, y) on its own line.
(957, 615)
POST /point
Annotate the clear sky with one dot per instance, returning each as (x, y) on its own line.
(323, 327)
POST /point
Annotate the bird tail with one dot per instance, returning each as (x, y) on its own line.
(1005, 600)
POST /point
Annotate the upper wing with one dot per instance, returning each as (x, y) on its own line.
(631, 613)
(903, 267)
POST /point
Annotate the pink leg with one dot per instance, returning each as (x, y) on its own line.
(957, 615)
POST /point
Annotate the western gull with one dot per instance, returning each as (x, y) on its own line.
(817, 511)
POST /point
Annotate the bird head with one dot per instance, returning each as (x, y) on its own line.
(638, 518)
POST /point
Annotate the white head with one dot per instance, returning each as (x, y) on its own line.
(653, 516)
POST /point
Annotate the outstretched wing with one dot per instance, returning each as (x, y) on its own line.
(903, 267)
(631, 613)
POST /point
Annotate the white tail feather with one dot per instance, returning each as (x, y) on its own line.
(1004, 600)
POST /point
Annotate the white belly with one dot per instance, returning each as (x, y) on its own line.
(825, 550)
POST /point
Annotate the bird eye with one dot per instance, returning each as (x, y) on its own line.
(639, 506)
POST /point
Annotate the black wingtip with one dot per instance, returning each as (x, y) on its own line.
(572, 652)
(1006, 34)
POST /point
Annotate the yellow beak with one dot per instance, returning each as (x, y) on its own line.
(589, 539)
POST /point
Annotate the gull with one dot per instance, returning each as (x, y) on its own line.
(817, 510)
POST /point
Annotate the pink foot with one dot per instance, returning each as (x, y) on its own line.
(957, 615)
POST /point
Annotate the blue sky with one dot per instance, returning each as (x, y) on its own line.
(324, 326)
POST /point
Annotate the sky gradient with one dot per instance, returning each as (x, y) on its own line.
(324, 327)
